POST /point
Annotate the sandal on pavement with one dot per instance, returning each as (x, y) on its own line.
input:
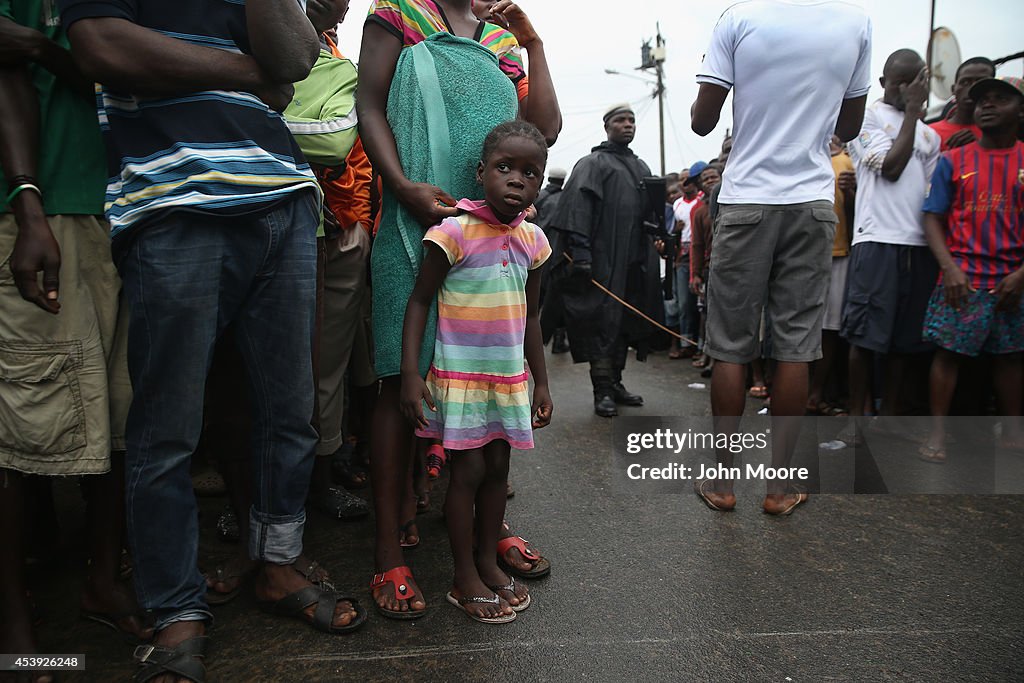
(758, 391)
(932, 454)
(295, 605)
(224, 574)
(726, 503)
(436, 459)
(473, 600)
(511, 588)
(316, 575)
(405, 532)
(346, 471)
(541, 565)
(399, 578)
(789, 502)
(184, 660)
(111, 619)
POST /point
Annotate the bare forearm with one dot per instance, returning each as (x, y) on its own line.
(412, 336)
(902, 147)
(134, 59)
(61, 64)
(26, 44)
(19, 137)
(283, 41)
(935, 234)
(379, 143)
(19, 122)
(541, 108)
(378, 59)
(534, 348)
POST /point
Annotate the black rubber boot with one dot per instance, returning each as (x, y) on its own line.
(604, 405)
(560, 344)
(603, 380)
(621, 394)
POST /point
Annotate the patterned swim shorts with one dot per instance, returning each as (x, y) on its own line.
(977, 328)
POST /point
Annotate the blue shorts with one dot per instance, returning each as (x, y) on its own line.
(977, 328)
(887, 290)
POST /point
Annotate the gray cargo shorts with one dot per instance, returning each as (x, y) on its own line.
(775, 259)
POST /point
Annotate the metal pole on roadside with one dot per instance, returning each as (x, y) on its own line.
(660, 60)
(928, 56)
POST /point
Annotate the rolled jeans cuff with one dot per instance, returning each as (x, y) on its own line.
(189, 615)
(276, 539)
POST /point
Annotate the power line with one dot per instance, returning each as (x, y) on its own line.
(675, 134)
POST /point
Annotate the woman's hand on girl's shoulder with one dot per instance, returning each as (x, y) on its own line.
(414, 392)
(427, 203)
(542, 407)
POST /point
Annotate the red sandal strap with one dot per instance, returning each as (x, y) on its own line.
(519, 543)
(399, 578)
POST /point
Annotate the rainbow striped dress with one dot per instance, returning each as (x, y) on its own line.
(478, 375)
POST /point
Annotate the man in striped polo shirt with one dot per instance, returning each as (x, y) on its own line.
(213, 214)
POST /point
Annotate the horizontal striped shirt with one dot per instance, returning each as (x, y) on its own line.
(478, 375)
(213, 151)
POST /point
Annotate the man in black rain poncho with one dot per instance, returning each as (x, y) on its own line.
(599, 225)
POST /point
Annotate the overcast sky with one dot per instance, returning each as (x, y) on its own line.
(583, 38)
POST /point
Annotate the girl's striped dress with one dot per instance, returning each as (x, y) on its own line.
(478, 376)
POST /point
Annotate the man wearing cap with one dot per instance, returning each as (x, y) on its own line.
(686, 303)
(599, 226)
(775, 223)
(974, 221)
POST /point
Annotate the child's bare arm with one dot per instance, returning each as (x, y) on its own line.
(954, 281)
(1009, 290)
(432, 273)
(534, 347)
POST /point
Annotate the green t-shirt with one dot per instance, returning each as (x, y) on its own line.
(72, 170)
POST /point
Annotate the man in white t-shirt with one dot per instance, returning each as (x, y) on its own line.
(891, 271)
(801, 71)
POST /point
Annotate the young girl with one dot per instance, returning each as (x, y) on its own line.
(482, 82)
(483, 268)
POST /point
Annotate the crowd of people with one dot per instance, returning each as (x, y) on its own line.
(224, 245)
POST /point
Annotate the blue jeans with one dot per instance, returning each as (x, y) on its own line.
(186, 277)
(686, 302)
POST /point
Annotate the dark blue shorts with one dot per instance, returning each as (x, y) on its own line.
(887, 292)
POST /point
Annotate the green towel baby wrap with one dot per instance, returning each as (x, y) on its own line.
(446, 95)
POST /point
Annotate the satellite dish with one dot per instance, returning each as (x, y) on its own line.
(943, 61)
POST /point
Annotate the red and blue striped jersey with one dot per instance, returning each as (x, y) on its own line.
(981, 192)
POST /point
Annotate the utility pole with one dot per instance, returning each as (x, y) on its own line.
(654, 58)
(928, 58)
